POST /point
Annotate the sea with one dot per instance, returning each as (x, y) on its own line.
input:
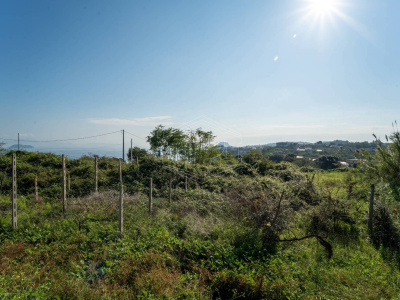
(77, 153)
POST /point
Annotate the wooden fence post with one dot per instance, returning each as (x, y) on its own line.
(186, 184)
(137, 164)
(95, 175)
(170, 190)
(121, 201)
(14, 191)
(64, 197)
(36, 191)
(150, 195)
(371, 210)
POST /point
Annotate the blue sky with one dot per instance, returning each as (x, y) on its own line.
(253, 72)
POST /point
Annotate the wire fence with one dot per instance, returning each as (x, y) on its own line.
(88, 145)
(180, 176)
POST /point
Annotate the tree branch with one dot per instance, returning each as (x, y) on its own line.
(277, 210)
(320, 239)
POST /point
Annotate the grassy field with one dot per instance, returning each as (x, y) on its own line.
(221, 240)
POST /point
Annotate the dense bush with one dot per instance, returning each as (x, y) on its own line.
(255, 230)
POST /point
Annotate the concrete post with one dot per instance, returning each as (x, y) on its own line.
(123, 145)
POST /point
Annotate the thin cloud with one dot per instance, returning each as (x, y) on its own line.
(268, 127)
(147, 121)
(150, 119)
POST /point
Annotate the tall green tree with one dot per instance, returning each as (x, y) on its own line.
(194, 146)
(176, 142)
(136, 152)
(385, 164)
(199, 146)
(158, 140)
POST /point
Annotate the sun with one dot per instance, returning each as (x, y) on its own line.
(320, 9)
(325, 14)
(323, 6)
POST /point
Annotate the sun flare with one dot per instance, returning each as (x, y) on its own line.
(321, 14)
(322, 8)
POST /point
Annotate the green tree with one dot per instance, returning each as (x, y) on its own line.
(136, 152)
(176, 142)
(160, 140)
(385, 164)
(194, 146)
(290, 157)
(253, 156)
(328, 162)
(198, 146)
(277, 158)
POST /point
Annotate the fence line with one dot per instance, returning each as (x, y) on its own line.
(66, 181)
(186, 173)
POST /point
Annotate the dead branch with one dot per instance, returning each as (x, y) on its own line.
(277, 209)
(320, 239)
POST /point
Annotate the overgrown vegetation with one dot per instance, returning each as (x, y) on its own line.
(251, 230)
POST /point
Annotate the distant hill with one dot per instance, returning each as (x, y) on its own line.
(223, 144)
(21, 147)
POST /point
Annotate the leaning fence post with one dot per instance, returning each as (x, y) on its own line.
(64, 200)
(371, 210)
(150, 195)
(14, 191)
(36, 191)
(121, 201)
(95, 175)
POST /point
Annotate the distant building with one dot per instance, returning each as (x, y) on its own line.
(352, 162)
